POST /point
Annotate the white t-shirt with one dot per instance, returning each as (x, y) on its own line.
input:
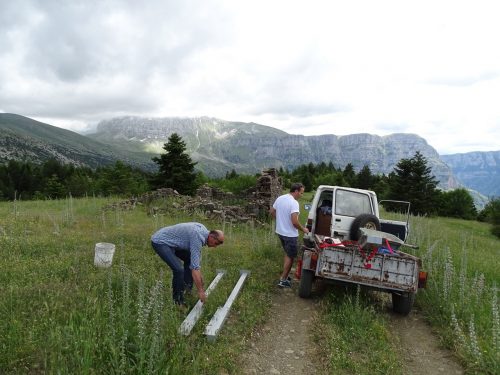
(285, 206)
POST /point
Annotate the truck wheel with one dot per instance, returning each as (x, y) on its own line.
(368, 221)
(402, 303)
(305, 285)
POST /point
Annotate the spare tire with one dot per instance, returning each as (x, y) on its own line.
(368, 221)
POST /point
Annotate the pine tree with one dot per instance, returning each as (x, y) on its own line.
(364, 179)
(349, 175)
(54, 188)
(412, 181)
(176, 169)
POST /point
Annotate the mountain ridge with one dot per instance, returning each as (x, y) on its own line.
(219, 146)
(478, 170)
(249, 147)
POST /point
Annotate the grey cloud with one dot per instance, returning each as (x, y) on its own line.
(74, 40)
(65, 44)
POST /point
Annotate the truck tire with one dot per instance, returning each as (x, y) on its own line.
(305, 285)
(368, 221)
(402, 303)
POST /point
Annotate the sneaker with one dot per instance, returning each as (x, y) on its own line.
(284, 284)
(289, 278)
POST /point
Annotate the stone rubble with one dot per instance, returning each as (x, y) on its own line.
(214, 203)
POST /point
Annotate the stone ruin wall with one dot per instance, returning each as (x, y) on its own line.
(269, 187)
(214, 203)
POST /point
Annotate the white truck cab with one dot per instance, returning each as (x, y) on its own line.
(339, 212)
(349, 243)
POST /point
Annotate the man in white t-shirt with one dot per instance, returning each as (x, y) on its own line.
(286, 212)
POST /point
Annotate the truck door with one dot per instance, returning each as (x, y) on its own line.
(347, 205)
(324, 214)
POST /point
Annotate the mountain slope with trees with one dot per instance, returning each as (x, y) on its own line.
(219, 146)
(24, 139)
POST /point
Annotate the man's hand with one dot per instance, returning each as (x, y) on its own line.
(202, 296)
(198, 281)
(306, 230)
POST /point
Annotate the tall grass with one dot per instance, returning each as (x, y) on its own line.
(460, 301)
(461, 298)
(60, 314)
(353, 334)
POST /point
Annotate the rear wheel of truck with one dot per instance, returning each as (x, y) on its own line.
(305, 285)
(368, 221)
(402, 303)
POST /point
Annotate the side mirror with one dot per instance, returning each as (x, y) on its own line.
(307, 206)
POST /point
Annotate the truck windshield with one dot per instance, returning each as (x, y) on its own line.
(351, 203)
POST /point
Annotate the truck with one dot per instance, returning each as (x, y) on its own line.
(349, 243)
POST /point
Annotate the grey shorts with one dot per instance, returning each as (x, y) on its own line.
(290, 245)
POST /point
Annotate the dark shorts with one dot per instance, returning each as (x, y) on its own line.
(290, 245)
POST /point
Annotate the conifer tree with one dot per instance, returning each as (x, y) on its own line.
(176, 169)
(349, 175)
(364, 179)
(412, 181)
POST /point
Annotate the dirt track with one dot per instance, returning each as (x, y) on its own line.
(420, 348)
(284, 344)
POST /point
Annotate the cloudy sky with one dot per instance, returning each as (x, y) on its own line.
(306, 67)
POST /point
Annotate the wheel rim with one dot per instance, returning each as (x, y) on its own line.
(371, 225)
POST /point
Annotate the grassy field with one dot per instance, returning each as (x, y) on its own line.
(461, 299)
(61, 314)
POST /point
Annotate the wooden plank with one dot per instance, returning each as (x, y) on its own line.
(217, 321)
(194, 315)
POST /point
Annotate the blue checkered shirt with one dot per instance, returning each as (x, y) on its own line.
(185, 236)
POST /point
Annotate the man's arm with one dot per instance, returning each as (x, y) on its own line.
(198, 281)
(296, 224)
(272, 211)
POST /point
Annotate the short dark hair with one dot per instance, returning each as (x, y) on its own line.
(296, 186)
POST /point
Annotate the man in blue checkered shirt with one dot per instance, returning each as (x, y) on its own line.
(182, 243)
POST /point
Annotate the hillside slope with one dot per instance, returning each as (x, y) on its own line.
(22, 138)
(219, 146)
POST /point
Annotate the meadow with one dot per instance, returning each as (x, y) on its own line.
(61, 314)
(460, 303)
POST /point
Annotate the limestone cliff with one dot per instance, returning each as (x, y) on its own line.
(477, 170)
(220, 145)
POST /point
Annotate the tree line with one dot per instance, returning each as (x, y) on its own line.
(411, 180)
(52, 180)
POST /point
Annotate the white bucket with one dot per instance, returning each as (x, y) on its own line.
(104, 254)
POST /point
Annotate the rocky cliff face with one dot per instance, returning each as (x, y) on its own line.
(220, 146)
(477, 170)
